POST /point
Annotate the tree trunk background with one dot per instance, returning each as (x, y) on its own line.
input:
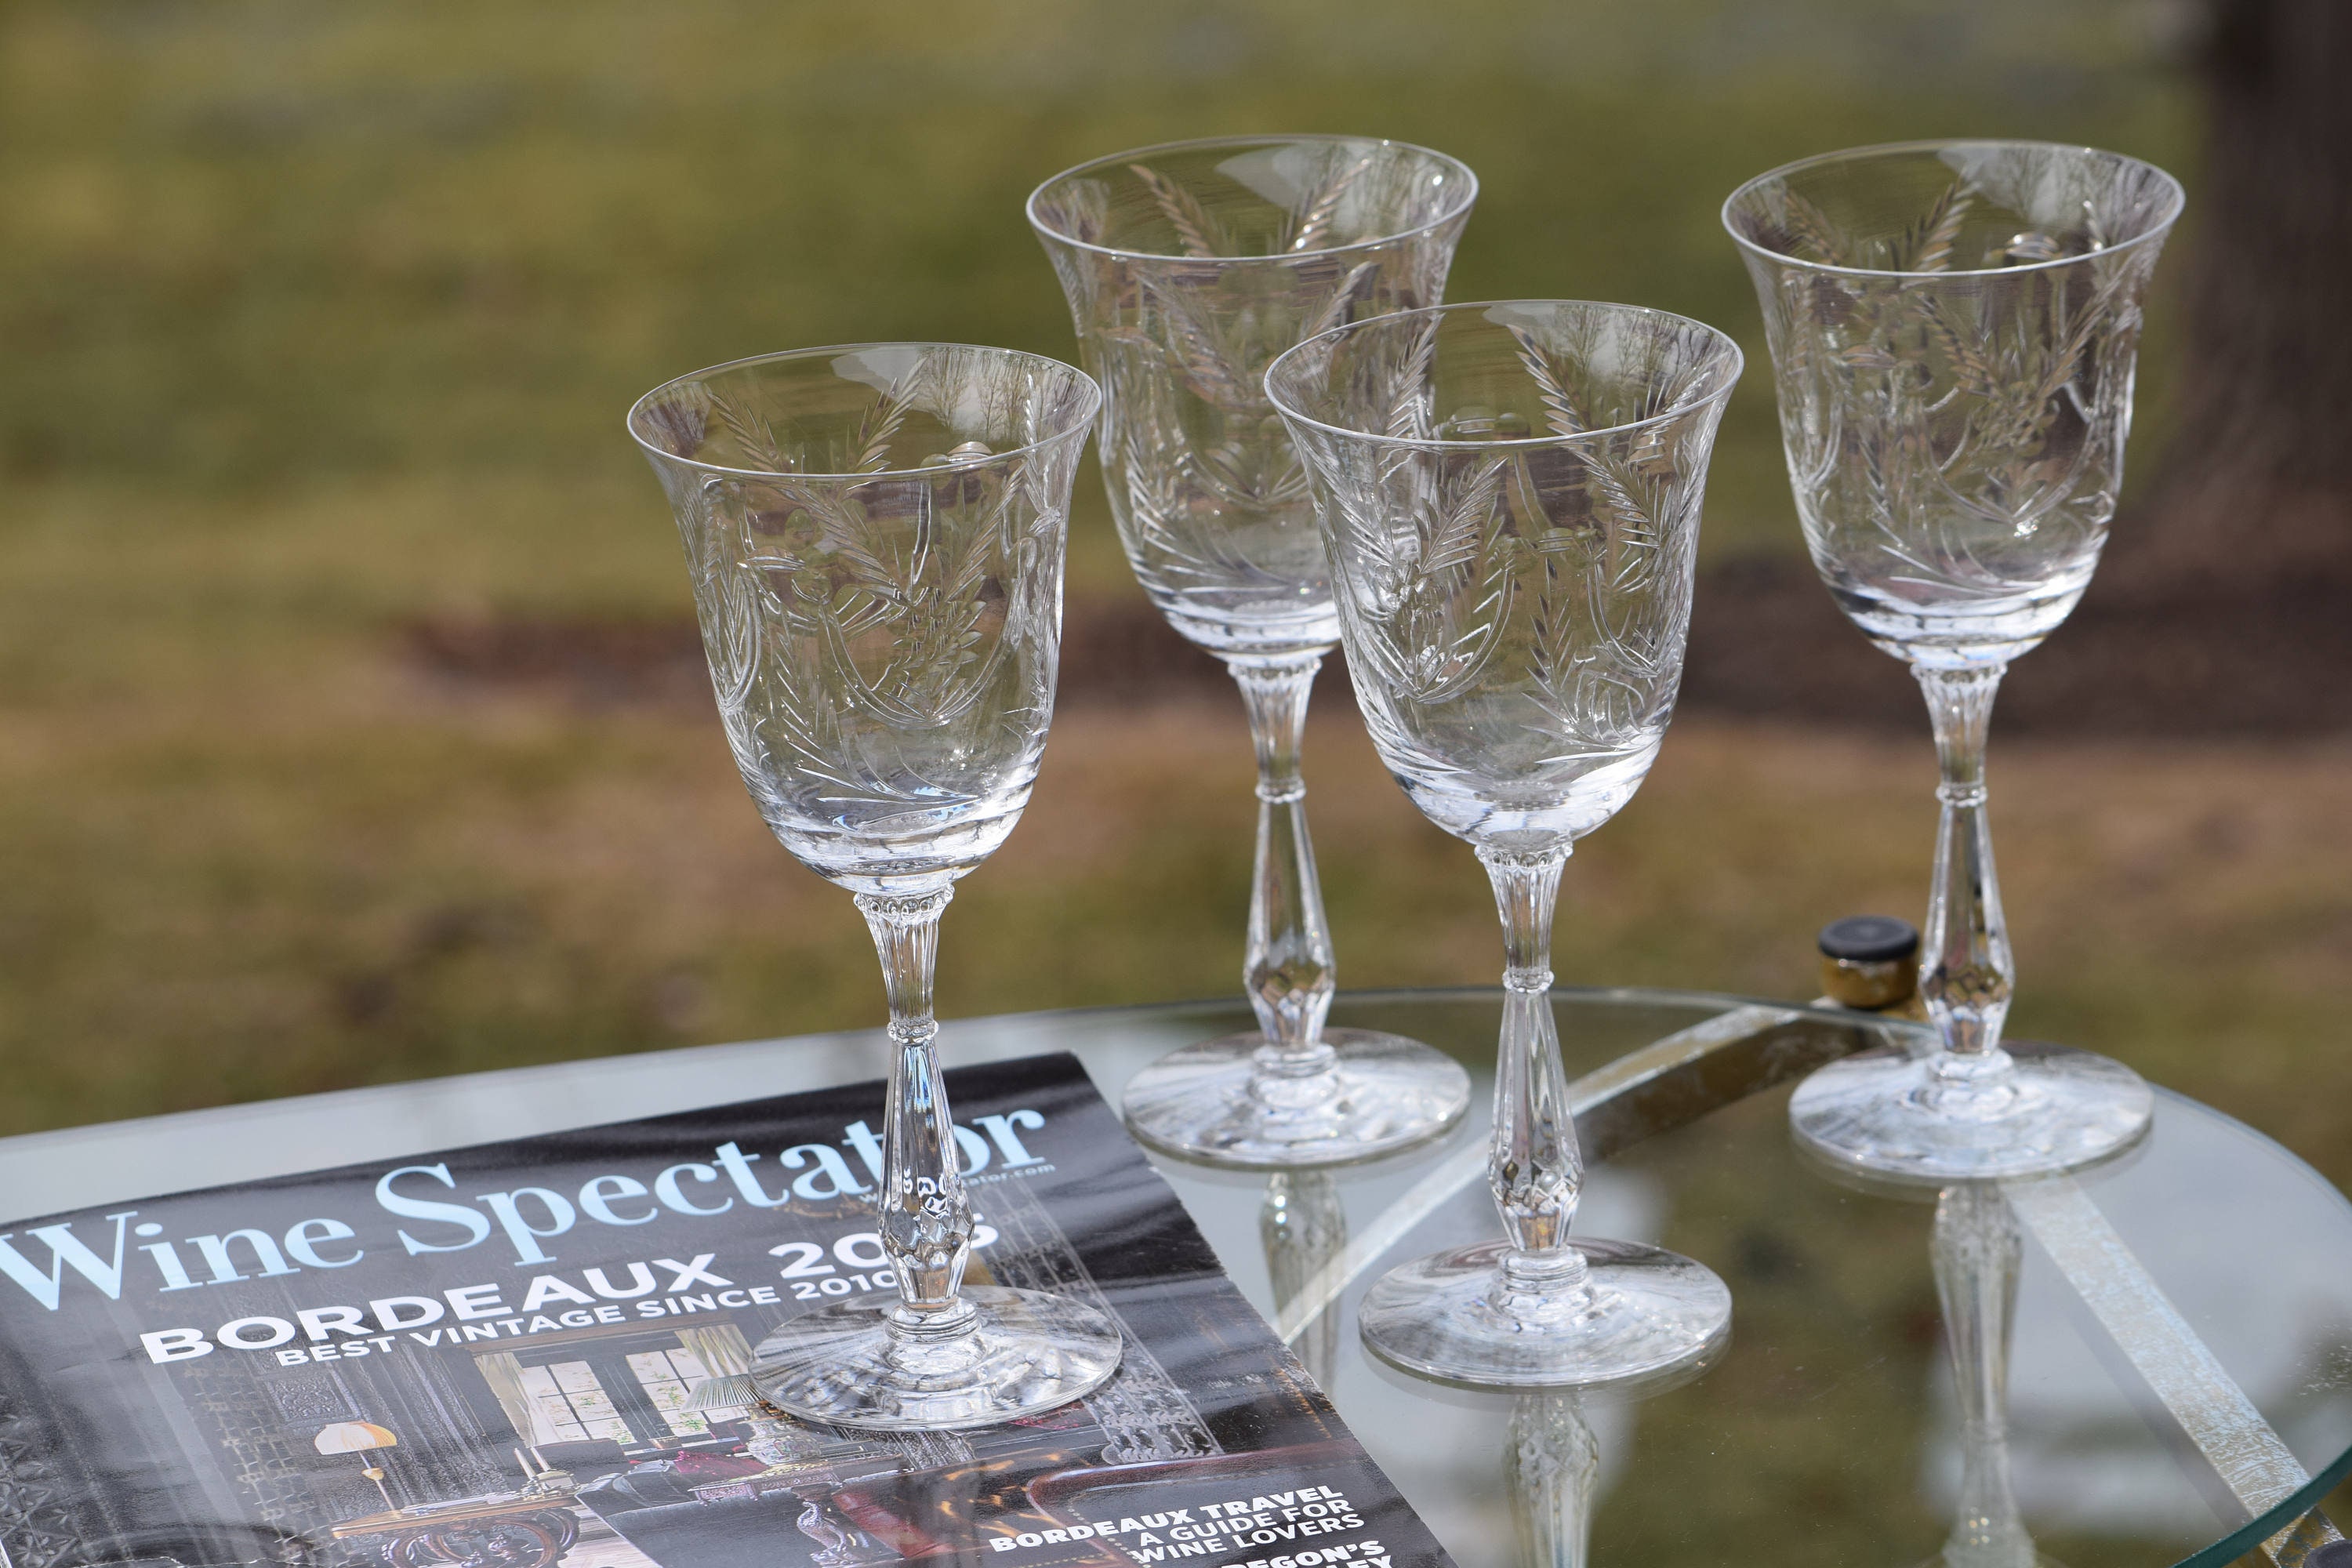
(2224, 603)
(2257, 473)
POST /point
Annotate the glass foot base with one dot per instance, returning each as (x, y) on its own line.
(1882, 1113)
(1026, 1352)
(1211, 1104)
(1642, 1313)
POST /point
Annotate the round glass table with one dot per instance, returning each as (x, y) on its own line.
(2142, 1363)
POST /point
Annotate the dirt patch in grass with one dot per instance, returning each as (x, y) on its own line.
(2262, 657)
(1115, 653)
(592, 662)
(2211, 657)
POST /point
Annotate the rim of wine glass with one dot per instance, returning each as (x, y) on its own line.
(1198, 143)
(1077, 426)
(1434, 444)
(2155, 232)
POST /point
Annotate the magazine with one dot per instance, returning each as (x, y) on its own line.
(530, 1354)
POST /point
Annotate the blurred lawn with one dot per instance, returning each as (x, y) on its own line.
(262, 248)
(320, 319)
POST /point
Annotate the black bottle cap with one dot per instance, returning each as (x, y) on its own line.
(1869, 938)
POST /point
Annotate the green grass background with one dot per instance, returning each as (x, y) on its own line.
(321, 319)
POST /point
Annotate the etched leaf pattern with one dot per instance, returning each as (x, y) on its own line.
(1446, 582)
(873, 603)
(1546, 586)
(1965, 427)
(1196, 452)
(1614, 613)
(872, 642)
(1205, 486)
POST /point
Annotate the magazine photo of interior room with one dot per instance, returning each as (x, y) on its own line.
(639, 1445)
(583, 1447)
(625, 1438)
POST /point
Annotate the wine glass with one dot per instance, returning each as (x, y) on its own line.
(875, 534)
(1953, 329)
(1187, 267)
(1510, 496)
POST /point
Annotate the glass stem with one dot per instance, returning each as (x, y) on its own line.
(1550, 1464)
(1966, 972)
(1303, 1226)
(1534, 1165)
(1976, 1251)
(1288, 971)
(926, 1217)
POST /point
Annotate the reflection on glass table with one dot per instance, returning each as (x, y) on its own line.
(2179, 1351)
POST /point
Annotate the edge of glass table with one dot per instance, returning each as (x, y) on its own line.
(76, 1167)
(66, 1168)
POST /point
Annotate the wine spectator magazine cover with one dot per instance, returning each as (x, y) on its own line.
(530, 1354)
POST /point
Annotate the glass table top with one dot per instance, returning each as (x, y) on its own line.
(2180, 1368)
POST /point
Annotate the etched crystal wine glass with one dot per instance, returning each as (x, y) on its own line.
(1510, 496)
(875, 534)
(1954, 327)
(1187, 267)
